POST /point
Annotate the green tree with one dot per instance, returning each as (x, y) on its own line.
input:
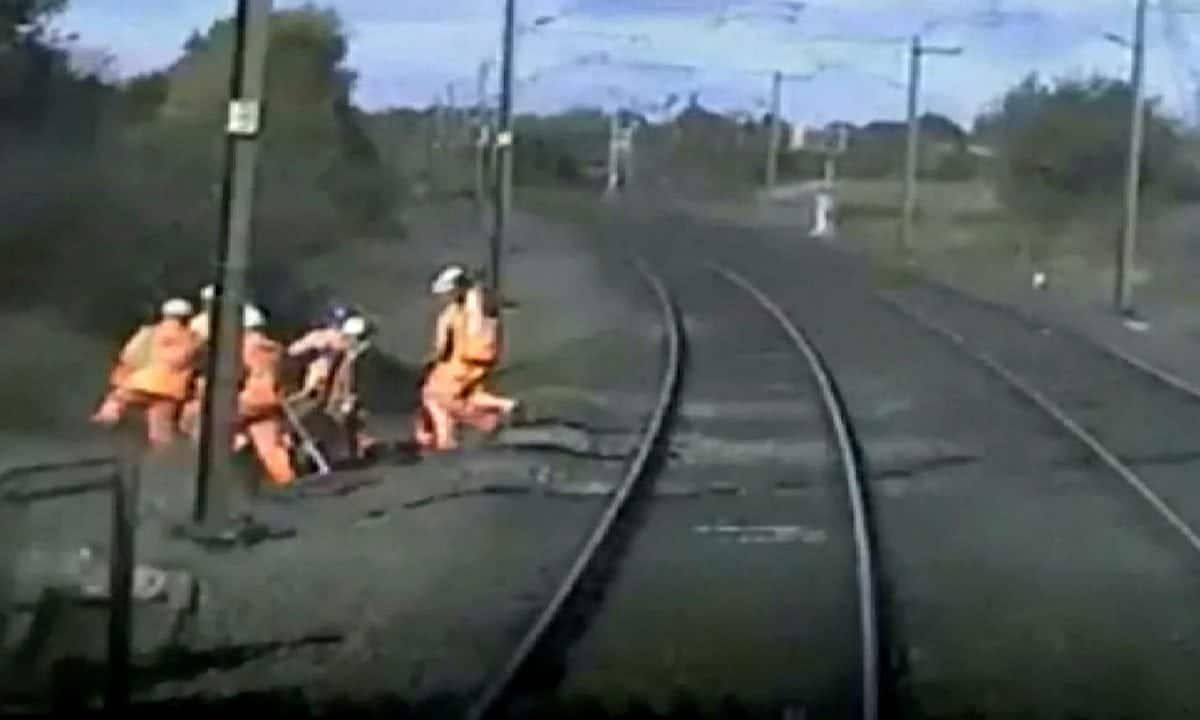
(1063, 146)
(102, 230)
(314, 141)
(21, 20)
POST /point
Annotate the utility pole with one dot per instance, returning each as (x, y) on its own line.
(481, 141)
(614, 132)
(217, 473)
(773, 138)
(451, 139)
(911, 155)
(431, 141)
(504, 148)
(627, 153)
(1126, 252)
(437, 159)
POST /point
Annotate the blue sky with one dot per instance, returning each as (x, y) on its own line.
(406, 51)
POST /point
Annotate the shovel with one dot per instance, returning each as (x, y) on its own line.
(307, 443)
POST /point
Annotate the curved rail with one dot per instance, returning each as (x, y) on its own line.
(839, 417)
(1057, 414)
(1031, 318)
(501, 682)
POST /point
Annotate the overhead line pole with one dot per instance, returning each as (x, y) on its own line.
(216, 474)
(614, 133)
(773, 138)
(481, 142)
(450, 150)
(504, 150)
(1128, 246)
(911, 155)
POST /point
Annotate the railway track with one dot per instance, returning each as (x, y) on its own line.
(1017, 575)
(790, 603)
(1125, 411)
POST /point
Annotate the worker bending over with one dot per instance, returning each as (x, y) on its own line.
(322, 347)
(330, 379)
(260, 399)
(154, 372)
(466, 348)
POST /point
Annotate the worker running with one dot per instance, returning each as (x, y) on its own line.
(154, 372)
(466, 348)
(260, 399)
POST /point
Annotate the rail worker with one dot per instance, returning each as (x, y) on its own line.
(260, 399)
(466, 347)
(154, 372)
(330, 381)
(344, 403)
(322, 346)
(200, 326)
(201, 323)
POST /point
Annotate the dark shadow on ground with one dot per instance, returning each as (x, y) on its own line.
(77, 682)
(389, 385)
(291, 703)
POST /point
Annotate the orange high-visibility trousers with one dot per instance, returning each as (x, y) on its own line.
(442, 412)
(271, 447)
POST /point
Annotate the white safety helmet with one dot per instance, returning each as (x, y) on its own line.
(176, 308)
(252, 318)
(207, 293)
(448, 279)
(355, 326)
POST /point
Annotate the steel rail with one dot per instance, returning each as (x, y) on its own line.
(839, 418)
(496, 688)
(1056, 413)
(1032, 319)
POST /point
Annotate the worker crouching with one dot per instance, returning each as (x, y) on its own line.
(154, 372)
(467, 346)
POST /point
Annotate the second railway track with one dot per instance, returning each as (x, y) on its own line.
(760, 600)
(1133, 417)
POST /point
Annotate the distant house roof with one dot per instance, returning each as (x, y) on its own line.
(932, 126)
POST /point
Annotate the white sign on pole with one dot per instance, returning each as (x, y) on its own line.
(796, 139)
(504, 139)
(244, 117)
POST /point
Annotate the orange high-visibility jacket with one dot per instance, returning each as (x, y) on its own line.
(466, 345)
(466, 334)
(170, 350)
(134, 354)
(261, 393)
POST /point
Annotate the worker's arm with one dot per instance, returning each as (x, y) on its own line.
(304, 345)
(316, 376)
